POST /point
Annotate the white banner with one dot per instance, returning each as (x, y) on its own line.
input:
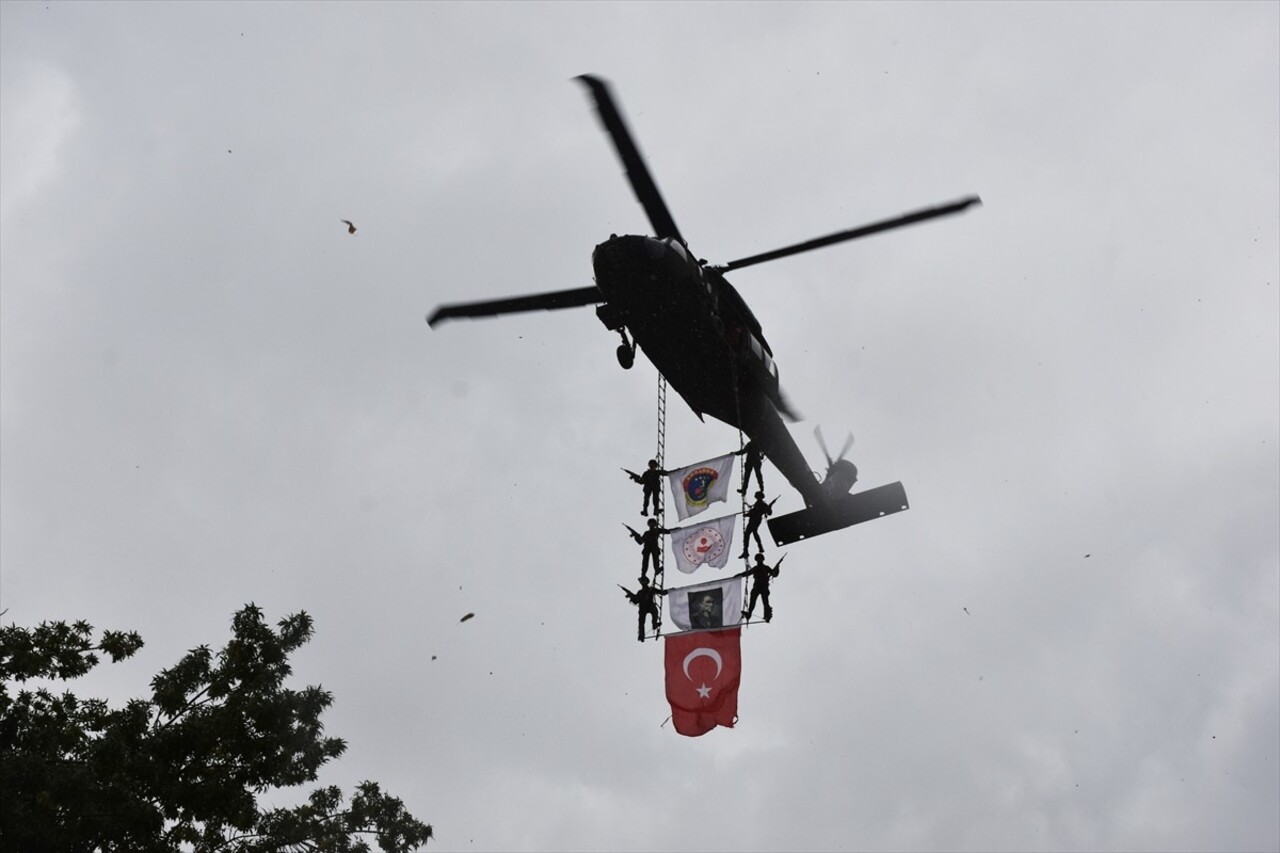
(709, 542)
(696, 487)
(716, 604)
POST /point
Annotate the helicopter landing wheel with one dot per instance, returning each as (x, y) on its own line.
(626, 350)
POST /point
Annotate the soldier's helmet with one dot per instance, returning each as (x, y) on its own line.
(759, 558)
(759, 496)
(653, 522)
(653, 463)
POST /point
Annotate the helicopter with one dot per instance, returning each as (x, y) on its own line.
(699, 333)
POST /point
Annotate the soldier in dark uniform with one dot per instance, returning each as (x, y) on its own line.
(646, 601)
(761, 573)
(756, 513)
(651, 479)
(650, 546)
(751, 463)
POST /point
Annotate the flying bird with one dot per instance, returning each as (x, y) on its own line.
(351, 226)
(468, 616)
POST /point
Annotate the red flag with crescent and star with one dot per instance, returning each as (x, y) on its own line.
(703, 671)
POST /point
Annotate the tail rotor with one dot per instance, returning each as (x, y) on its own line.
(841, 473)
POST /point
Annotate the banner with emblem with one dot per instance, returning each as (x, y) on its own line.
(698, 486)
(702, 606)
(709, 542)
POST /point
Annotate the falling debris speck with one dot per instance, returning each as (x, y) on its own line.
(468, 616)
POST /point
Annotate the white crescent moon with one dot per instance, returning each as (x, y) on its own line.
(702, 652)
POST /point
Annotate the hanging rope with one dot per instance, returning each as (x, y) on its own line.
(659, 509)
(662, 430)
(737, 405)
(743, 496)
(742, 510)
(662, 461)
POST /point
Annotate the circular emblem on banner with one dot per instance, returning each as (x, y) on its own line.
(697, 485)
(704, 546)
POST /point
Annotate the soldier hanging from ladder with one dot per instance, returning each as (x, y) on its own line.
(650, 543)
(761, 573)
(754, 459)
(651, 479)
(755, 514)
(646, 601)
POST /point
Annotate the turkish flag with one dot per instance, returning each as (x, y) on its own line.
(703, 671)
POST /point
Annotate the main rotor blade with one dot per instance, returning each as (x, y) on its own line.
(785, 408)
(534, 302)
(854, 233)
(637, 172)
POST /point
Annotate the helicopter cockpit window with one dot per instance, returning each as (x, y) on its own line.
(679, 250)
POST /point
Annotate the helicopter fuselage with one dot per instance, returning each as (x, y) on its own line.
(701, 336)
(696, 329)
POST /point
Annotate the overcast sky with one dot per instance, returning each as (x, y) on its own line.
(211, 394)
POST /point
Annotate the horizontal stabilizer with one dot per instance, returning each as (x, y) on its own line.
(843, 511)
